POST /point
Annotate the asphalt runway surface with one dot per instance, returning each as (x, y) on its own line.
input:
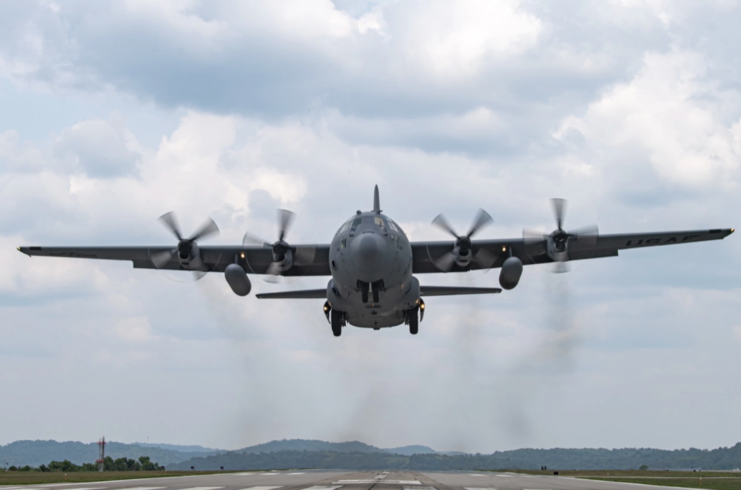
(344, 480)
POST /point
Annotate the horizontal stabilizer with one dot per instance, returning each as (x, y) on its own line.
(454, 291)
(302, 294)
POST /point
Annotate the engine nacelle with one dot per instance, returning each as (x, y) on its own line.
(237, 279)
(189, 256)
(511, 273)
(558, 248)
(462, 258)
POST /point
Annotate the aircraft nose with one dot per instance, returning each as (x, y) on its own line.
(368, 251)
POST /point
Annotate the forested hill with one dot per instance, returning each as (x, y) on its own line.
(36, 453)
(310, 445)
(716, 459)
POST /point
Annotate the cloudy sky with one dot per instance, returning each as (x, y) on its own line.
(112, 113)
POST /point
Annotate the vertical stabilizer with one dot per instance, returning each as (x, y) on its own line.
(376, 201)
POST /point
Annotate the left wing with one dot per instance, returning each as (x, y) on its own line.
(426, 253)
(215, 258)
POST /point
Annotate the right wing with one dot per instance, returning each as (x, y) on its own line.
(424, 254)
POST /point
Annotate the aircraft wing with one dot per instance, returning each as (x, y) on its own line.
(426, 253)
(215, 258)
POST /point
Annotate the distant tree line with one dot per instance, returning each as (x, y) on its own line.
(109, 464)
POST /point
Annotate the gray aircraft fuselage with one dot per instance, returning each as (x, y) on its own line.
(371, 264)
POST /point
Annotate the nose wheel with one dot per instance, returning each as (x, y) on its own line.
(337, 320)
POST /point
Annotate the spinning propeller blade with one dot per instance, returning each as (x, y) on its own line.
(185, 245)
(463, 243)
(537, 242)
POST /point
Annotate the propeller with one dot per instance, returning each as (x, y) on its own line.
(462, 247)
(185, 246)
(556, 243)
(299, 255)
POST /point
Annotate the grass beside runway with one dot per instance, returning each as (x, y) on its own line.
(713, 483)
(38, 478)
(713, 480)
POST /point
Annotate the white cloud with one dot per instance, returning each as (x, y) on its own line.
(669, 115)
(307, 107)
(98, 148)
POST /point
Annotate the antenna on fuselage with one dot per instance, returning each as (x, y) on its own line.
(376, 202)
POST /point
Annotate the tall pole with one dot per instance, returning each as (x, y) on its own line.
(101, 454)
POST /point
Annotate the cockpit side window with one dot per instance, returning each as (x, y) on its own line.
(393, 226)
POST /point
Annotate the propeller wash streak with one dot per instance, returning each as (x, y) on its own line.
(372, 264)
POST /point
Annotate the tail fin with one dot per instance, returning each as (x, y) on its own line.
(376, 202)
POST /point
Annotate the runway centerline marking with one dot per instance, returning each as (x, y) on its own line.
(320, 487)
(202, 488)
(262, 488)
(384, 482)
(81, 488)
(146, 488)
(420, 488)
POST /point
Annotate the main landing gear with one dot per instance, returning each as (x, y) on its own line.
(337, 320)
(413, 320)
(414, 316)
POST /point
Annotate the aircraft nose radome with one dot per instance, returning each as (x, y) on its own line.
(369, 251)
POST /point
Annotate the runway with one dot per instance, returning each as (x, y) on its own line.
(343, 480)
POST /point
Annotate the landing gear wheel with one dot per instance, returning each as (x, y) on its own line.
(336, 323)
(413, 321)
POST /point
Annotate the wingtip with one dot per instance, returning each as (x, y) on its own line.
(24, 252)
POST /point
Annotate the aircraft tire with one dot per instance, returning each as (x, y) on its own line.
(336, 323)
(413, 321)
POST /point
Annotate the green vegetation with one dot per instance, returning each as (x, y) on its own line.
(713, 480)
(715, 483)
(110, 464)
(38, 477)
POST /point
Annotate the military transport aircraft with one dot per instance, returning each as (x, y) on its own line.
(372, 262)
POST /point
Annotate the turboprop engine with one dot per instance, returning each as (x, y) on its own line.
(186, 250)
(511, 273)
(237, 279)
(556, 244)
